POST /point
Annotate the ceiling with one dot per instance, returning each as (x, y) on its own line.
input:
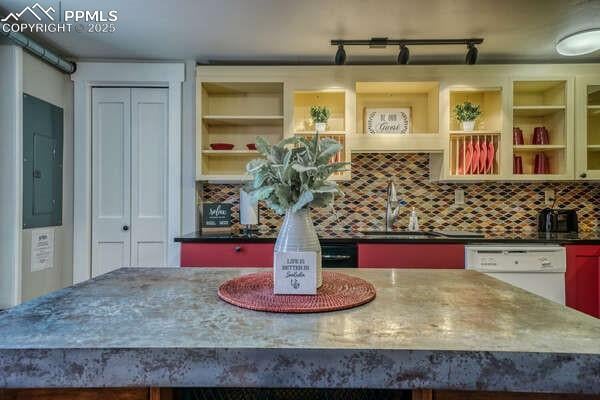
(299, 31)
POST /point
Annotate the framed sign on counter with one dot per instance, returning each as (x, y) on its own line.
(216, 217)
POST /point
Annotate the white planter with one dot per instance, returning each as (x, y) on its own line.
(320, 127)
(468, 125)
(297, 235)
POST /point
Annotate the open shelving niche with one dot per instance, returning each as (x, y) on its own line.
(487, 134)
(236, 113)
(421, 97)
(541, 103)
(303, 125)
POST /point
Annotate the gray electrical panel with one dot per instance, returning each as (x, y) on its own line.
(42, 163)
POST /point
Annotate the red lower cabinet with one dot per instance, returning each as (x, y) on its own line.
(227, 254)
(582, 280)
(379, 255)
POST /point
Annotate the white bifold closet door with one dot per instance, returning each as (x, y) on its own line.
(129, 178)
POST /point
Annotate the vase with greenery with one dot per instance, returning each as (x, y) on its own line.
(320, 116)
(291, 179)
(466, 113)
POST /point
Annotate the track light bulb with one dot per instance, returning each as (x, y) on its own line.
(471, 57)
(404, 55)
(340, 55)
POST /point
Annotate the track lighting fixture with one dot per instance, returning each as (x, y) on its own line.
(340, 55)
(472, 52)
(404, 55)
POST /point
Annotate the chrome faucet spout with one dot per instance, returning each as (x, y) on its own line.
(392, 206)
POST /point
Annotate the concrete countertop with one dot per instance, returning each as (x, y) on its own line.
(426, 329)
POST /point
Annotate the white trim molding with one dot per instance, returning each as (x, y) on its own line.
(129, 74)
(11, 175)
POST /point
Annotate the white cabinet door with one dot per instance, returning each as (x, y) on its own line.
(587, 128)
(111, 178)
(149, 176)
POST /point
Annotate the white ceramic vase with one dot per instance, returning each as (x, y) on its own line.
(320, 127)
(468, 125)
(298, 234)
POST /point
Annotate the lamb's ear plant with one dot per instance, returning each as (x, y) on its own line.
(467, 111)
(293, 173)
(319, 114)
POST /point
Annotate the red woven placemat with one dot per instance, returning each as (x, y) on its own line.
(338, 292)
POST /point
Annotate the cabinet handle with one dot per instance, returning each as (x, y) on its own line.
(334, 257)
(237, 249)
(583, 175)
(125, 228)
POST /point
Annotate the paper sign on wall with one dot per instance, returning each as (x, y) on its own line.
(42, 249)
(295, 272)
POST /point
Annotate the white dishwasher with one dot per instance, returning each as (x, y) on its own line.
(539, 269)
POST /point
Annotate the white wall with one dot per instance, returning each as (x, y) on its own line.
(10, 174)
(49, 84)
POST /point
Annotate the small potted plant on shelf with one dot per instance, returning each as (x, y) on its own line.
(466, 113)
(290, 179)
(320, 116)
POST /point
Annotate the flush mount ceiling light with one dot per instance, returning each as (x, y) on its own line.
(404, 54)
(579, 43)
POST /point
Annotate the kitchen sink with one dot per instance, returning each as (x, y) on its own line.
(423, 234)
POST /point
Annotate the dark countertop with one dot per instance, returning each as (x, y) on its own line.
(166, 327)
(513, 237)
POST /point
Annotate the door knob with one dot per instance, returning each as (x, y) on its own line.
(583, 175)
(237, 249)
(125, 228)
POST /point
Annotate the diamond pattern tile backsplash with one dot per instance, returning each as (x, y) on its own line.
(488, 206)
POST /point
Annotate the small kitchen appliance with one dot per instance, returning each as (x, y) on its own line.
(557, 221)
(539, 269)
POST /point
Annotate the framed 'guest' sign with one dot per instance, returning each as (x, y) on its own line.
(387, 120)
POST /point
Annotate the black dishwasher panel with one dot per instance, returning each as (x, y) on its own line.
(339, 255)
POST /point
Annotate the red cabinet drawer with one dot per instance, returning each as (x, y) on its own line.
(227, 254)
(582, 280)
(425, 255)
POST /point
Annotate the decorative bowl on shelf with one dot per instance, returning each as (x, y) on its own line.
(251, 146)
(221, 146)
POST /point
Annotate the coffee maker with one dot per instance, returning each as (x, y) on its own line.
(557, 221)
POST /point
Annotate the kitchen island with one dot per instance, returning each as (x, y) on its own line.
(426, 329)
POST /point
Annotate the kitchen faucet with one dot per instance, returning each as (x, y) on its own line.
(392, 206)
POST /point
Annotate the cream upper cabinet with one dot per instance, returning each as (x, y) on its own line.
(418, 100)
(587, 128)
(557, 135)
(229, 116)
(543, 125)
(335, 100)
(474, 154)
